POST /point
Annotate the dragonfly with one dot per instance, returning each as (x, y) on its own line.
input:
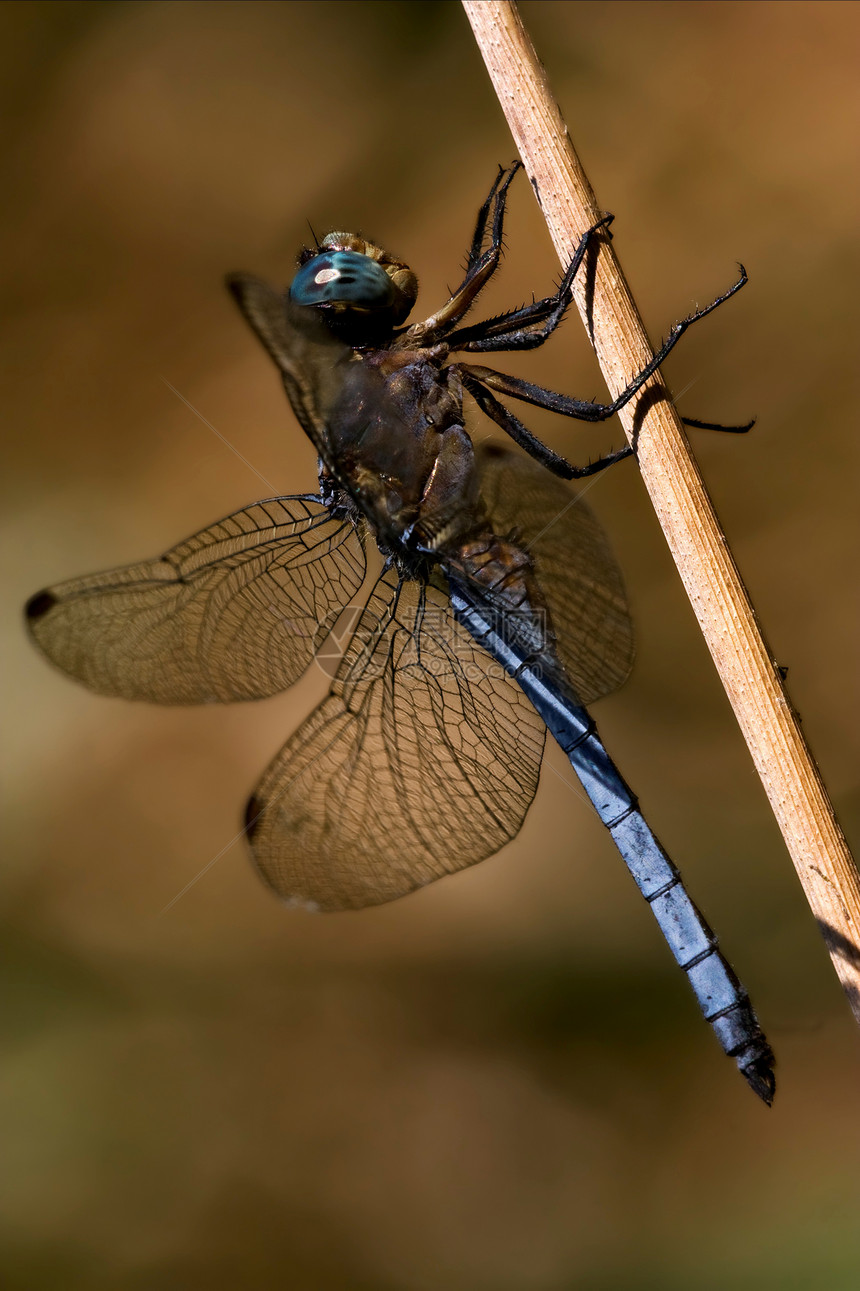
(499, 611)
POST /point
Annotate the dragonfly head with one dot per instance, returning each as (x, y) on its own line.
(361, 289)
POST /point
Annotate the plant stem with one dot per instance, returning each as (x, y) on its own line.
(698, 545)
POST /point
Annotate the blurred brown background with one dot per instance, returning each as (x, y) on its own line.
(501, 1083)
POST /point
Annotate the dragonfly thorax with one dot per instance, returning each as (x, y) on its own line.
(397, 445)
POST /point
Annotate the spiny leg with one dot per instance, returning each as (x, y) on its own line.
(496, 330)
(474, 375)
(586, 409)
(481, 221)
(517, 329)
(718, 425)
(521, 435)
(553, 461)
(481, 265)
(528, 392)
(669, 344)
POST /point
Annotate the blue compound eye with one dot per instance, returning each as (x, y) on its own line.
(343, 277)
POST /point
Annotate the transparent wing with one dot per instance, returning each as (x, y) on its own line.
(576, 570)
(232, 613)
(265, 310)
(423, 759)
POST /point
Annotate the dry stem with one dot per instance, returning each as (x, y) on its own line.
(788, 772)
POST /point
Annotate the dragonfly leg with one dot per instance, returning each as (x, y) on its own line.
(512, 426)
(483, 214)
(588, 409)
(539, 396)
(718, 425)
(480, 265)
(521, 435)
(476, 380)
(529, 326)
(669, 344)
(514, 330)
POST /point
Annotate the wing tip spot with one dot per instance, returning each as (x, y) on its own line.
(40, 605)
(253, 812)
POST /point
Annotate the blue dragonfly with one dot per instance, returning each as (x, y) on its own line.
(498, 614)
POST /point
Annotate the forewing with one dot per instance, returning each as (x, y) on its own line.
(423, 759)
(234, 612)
(265, 311)
(575, 567)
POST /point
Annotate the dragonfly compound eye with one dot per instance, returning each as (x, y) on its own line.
(344, 278)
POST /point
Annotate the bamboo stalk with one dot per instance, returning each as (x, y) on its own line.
(746, 668)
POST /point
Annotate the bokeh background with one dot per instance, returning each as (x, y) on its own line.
(501, 1082)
